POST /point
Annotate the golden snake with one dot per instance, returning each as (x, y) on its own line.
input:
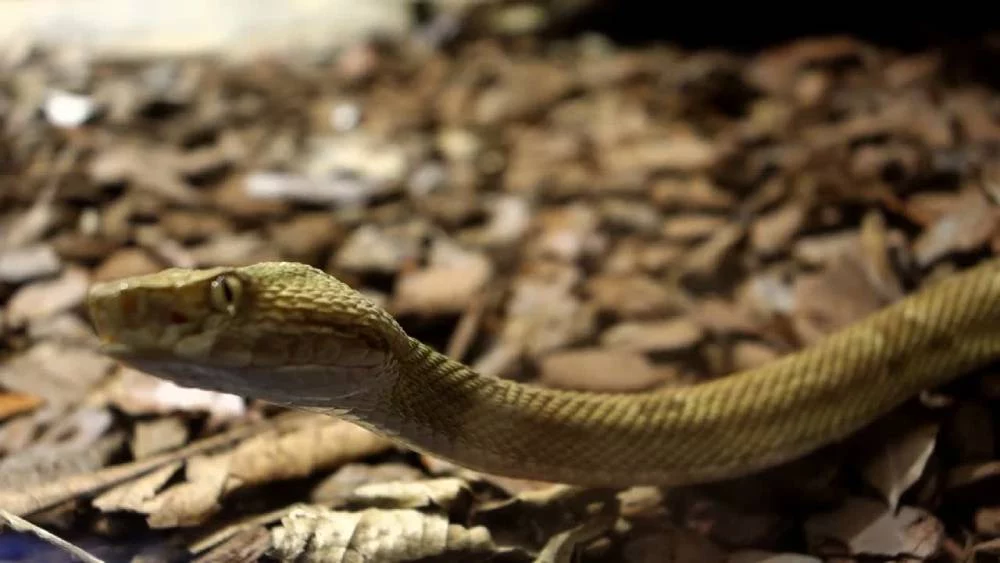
(293, 335)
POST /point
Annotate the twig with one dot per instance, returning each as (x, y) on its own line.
(19, 524)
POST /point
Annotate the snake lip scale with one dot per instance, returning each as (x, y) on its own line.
(294, 335)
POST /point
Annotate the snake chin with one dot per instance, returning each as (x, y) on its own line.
(317, 387)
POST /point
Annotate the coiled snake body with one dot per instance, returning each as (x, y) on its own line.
(293, 335)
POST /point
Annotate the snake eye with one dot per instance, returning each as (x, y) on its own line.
(225, 293)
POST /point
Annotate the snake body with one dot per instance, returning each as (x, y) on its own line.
(293, 335)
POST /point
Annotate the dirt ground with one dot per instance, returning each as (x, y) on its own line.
(568, 212)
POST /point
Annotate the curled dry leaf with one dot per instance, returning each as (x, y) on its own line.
(319, 534)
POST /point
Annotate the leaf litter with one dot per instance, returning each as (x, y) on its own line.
(639, 217)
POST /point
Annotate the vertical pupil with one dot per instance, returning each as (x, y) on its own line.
(227, 290)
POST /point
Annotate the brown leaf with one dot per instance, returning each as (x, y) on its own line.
(654, 336)
(157, 436)
(672, 545)
(774, 231)
(690, 227)
(57, 374)
(900, 464)
(969, 225)
(833, 298)
(708, 256)
(125, 263)
(139, 494)
(339, 487)
(866, 527)
(442, 289)
(319, 534)
(13, 404)
(441, 493)
(564, 547)
(45, 299)
(320, 443)
(987, 520)
(759, 556)
(247, 546)
(543, 314)
(19, 265)
(680, 151)
(138, 393)
(634, 296)
(599, 369)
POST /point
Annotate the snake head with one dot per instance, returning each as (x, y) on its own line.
(278, 331)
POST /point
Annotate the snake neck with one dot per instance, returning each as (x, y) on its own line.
(444, 408)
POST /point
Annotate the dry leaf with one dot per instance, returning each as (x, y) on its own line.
(19, 265)
(600, 369)
(157, 436)
(319, 443)
(248, 546)
(867, 527)
(138, 393)
(987, 521)
(634, 296)
(136, 495)
(442, 289)
(707, 257)
(44, 299)
(758, 556)
(968, 226)
(900, 464)
(60, 375)
(13, 404)
(441, 493)
(773, 232)
(834, 298)
(193, 501)
(668, 335)
(323, 535)
(672, 546)
(564, 546)
(339, 487)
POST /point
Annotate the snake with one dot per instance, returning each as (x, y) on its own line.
(293, 335)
